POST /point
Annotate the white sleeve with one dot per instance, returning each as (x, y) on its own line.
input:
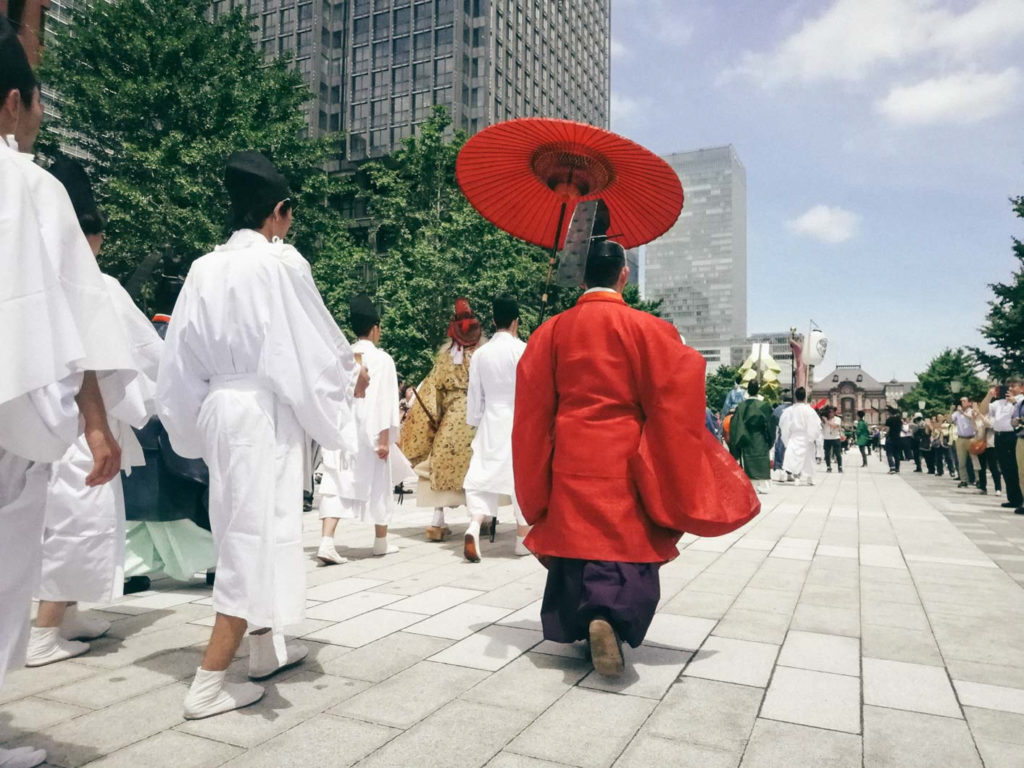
(474, 397)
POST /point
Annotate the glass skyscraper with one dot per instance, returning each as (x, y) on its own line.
(699, 267)
(377, 67)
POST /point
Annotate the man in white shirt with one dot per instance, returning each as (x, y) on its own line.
(832, 430)
(491, 408)
(1000, 411)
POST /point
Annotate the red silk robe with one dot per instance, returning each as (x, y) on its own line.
(611, 457)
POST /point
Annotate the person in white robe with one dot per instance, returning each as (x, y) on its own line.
(490, 408)
(252, 363)
(358, 486)
(83, 539)
(800, 427)
(63, 356)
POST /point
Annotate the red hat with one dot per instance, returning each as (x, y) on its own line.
(464, 328)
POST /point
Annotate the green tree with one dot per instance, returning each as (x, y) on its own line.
(1004, 326)
(718, 385)
(933, 384)
(158, 96)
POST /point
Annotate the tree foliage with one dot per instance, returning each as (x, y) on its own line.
(1004, 326)
(718, 385)
(933, 384)
(158, 96)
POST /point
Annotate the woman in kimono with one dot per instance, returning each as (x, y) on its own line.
(83, 542)
(358, 485)
(435, 436)
(252, 363)
(752, 436)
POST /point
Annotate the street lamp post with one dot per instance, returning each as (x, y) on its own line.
(920, 405)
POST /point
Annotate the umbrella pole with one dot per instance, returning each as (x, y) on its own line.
(551, 264)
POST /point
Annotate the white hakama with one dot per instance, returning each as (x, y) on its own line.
(800, 427)
(358, 486)
(253, 363)
(84, 537)
(55, 323)
(491, 408)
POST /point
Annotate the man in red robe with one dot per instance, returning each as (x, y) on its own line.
(612, 462)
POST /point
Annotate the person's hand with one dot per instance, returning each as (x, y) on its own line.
(362, 382)
(382, 451)
(993, 392)
(106, 455)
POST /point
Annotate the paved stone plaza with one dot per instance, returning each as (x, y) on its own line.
(868, 621)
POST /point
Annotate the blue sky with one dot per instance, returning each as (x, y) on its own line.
(881, 138)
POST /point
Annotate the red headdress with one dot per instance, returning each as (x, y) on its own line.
(464, 329)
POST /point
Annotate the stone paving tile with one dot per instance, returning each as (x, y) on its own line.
(734, 661)
(436, 600)
(406, 698)
(645, 751)
(901, 615)
(826, 620)
(342, 587)
(707, 713)
(679, 632)
(895, 644)
(460, 622)
(914, 687)
(824, 653)
(760, 626)
(365, 628)
(531, 683)
(990, 696)
(512, 760)
(350, 606)
(818, 699)
(112, 652)
(322, 740)
(913, 740)
(433, 742)
(123, 626)
(491, 648)
(285, 704)
(88, 737)
(527, 617)
(781, 745)
(999, 736)
(692, 602)
(601, 725)
(23, 682)
(32, 714)
(170, 749)
(111, 686)
(383, 658)
(649, 672)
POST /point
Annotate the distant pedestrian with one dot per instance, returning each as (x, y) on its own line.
(863, 438)
(894, 429)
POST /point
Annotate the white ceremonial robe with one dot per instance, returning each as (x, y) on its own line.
(801, 432)
(358, 485)
(252, 363)
(55, 324)
(84, 535)
(490, 407)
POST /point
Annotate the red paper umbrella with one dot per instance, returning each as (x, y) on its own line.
(527, 175)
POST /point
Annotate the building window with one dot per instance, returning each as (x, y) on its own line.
(401, 50)
(360, 87)
(287, 21)
(443, 70)
(421, 45)
(421, 106)
(304, 43)
(400, 109)
(381, 55)
(402, 20)
(423, 15)
(380, 84)
(305, 14)
(400, 79)
(361, 58)
(443, 40)
(361, 30)
(421, 75)
(379, 114)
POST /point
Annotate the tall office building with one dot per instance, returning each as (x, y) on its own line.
(699, 267)
(377, 67)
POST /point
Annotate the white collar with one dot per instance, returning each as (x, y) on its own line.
(599, 290)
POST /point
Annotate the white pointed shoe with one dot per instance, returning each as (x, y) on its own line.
(328, 554)
(46, 646)
(211, 695)
(381, 546)
(22, 757)
(75, 626)
(521, 549)
(270, 652)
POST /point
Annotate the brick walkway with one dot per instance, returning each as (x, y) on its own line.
(867, 621)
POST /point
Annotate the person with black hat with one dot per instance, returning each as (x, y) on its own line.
(84, 539)
(252, 363)
(491, 405)
(358, 485)
(64, 357)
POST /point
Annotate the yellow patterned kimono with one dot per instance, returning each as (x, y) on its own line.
(447, 442)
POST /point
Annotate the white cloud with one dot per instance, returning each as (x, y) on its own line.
(964, 98)
(854, 37)
(830, 224)
(619, 50)
(627, 113)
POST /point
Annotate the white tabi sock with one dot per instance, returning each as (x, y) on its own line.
(211, 695)
(45, 646)
(270, 652)
(438, 517)
(21, 757)
(474, 529)
(74, 626)
(521, 549)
